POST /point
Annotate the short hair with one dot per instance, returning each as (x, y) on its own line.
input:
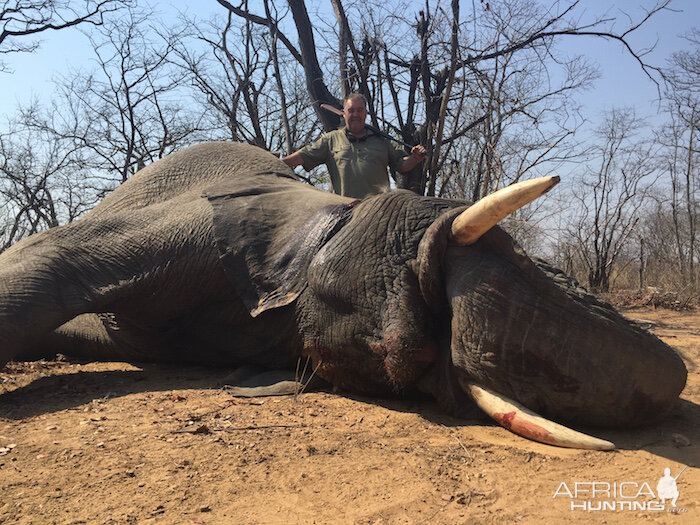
(355, 96)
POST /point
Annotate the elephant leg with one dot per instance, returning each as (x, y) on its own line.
(148, 262)
(87, 336)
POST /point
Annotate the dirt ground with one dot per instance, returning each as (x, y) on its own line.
(120, 443)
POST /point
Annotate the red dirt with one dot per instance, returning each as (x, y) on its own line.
(117, 443)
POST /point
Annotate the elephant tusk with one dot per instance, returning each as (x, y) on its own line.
(476, 220)
(526, 423)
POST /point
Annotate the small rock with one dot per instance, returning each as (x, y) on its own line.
(679, 440)
(447, 497)
(7, 449)
(202, 429)
(205, 508)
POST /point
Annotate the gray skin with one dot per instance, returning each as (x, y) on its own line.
(217, 255)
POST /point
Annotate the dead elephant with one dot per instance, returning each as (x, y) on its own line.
(217, 255)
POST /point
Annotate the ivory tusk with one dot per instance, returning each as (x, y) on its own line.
(476, 220)
(526, 423)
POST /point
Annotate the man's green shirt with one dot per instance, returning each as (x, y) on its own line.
(356, 167)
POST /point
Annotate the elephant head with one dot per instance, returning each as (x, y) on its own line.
(415, 291)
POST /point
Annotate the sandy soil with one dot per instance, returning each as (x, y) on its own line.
(119, 443)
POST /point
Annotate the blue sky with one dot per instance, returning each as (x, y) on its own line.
(622, 82)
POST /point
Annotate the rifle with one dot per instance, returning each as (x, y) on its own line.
(339, 112)
(681, 472)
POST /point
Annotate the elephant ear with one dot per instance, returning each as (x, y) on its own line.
(431, 251)
(267, 229)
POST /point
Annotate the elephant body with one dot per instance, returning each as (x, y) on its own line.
(217, 255)
(145, 264)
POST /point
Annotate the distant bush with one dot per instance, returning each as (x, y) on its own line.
(655, 298)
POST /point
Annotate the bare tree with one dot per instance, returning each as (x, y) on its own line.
(22, 19)
(130, 110)
(684, 111)
(445, 77)
(677, 209)
(42, 181)
(289, 146)
(101, 126)
(612, 192)
(662, 236)
(244, 82)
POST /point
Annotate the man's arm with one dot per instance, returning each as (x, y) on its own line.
(409, 161)
(293, 160)
(309, 156)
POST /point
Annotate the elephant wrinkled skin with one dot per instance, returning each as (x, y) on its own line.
(217, 255)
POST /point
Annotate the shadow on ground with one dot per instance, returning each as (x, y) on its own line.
(670, 439)
(68, 390)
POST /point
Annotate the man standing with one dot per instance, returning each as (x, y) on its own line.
(356, 158)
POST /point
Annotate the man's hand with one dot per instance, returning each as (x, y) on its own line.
(418, 152)
(409, 162)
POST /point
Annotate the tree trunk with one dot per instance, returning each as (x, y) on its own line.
(342, 50)
(318, 91)
(435, 156)
(289, 147)
(690, 203)
(641, 264)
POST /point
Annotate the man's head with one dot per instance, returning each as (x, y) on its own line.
(355, 113)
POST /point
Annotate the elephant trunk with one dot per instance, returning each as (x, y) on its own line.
(554, 349)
